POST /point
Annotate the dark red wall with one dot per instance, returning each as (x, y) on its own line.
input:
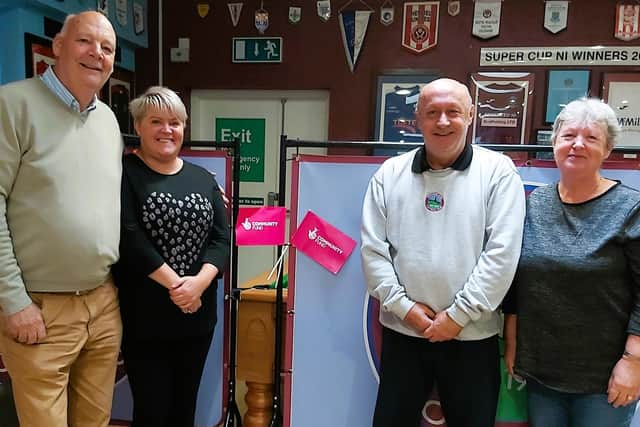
(314, 57)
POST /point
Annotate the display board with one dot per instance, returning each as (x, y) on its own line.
(334, 337)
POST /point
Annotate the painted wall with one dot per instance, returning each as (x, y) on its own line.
(314, 57)
(27, 16)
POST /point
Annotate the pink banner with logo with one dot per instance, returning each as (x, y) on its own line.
(260, 226)
(322, 242)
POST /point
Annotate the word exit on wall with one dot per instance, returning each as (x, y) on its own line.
(250, 132)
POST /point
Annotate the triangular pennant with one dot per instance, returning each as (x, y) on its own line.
(234, 11)
(261, 19)
(555, 15)
(121, 12)
(295, 14)
(486, 18)
(138, 18)
(420, 25)
(386, 15)
(453, 7)
(353, 25)
(627, 22)
(387, 12)
(203, 9)
(324, 9)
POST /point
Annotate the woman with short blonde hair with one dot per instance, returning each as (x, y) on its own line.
(174, 245)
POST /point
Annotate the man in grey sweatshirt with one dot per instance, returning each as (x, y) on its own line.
(441, 236)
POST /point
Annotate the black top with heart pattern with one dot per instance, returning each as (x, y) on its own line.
(179, 219)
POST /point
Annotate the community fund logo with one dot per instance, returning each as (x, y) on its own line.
(313, 233)
(322, 242)
(258, 225)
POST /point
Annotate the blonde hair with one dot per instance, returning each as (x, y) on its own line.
(160, 98)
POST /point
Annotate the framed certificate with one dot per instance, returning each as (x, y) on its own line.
(564, 86)
(117, 93)
(503, 105)
(397, 95)
(38, 55)
(543, 137)
(622, 92)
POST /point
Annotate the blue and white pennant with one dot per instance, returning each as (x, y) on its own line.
(353, 26)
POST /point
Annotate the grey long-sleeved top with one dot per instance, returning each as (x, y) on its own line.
(577, 288)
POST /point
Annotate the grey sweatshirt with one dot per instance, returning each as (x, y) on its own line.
(447, 238)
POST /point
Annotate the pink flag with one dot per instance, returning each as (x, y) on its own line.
(322, 242)
(260, 226)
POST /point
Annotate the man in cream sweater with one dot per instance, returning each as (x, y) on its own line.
(59, 229)
(441, 236)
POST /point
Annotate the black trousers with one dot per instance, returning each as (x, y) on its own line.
(164, 377)
(467, 374)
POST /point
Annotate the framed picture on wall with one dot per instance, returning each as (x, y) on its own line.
(622, 92)
(564, 86)
(38, 55)
(503, 107)
(543, 137)
(117, 93)
(397, 95)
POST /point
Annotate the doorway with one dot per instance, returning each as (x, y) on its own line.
(297, 114)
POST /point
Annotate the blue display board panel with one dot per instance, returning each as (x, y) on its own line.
(333, 344)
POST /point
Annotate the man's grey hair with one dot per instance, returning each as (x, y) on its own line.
(72, 16)
(67, 21)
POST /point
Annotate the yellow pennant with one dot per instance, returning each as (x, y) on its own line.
(203, 9)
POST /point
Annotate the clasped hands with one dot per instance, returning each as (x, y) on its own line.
(186, 292)
(433, 326)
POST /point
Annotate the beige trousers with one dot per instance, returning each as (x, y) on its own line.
(66, 380)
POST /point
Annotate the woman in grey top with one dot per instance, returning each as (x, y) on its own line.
(572, 321)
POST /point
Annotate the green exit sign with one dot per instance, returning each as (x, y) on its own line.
(257, 49)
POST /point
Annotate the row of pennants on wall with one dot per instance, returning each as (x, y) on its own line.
(420, 20)
(315, 237)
